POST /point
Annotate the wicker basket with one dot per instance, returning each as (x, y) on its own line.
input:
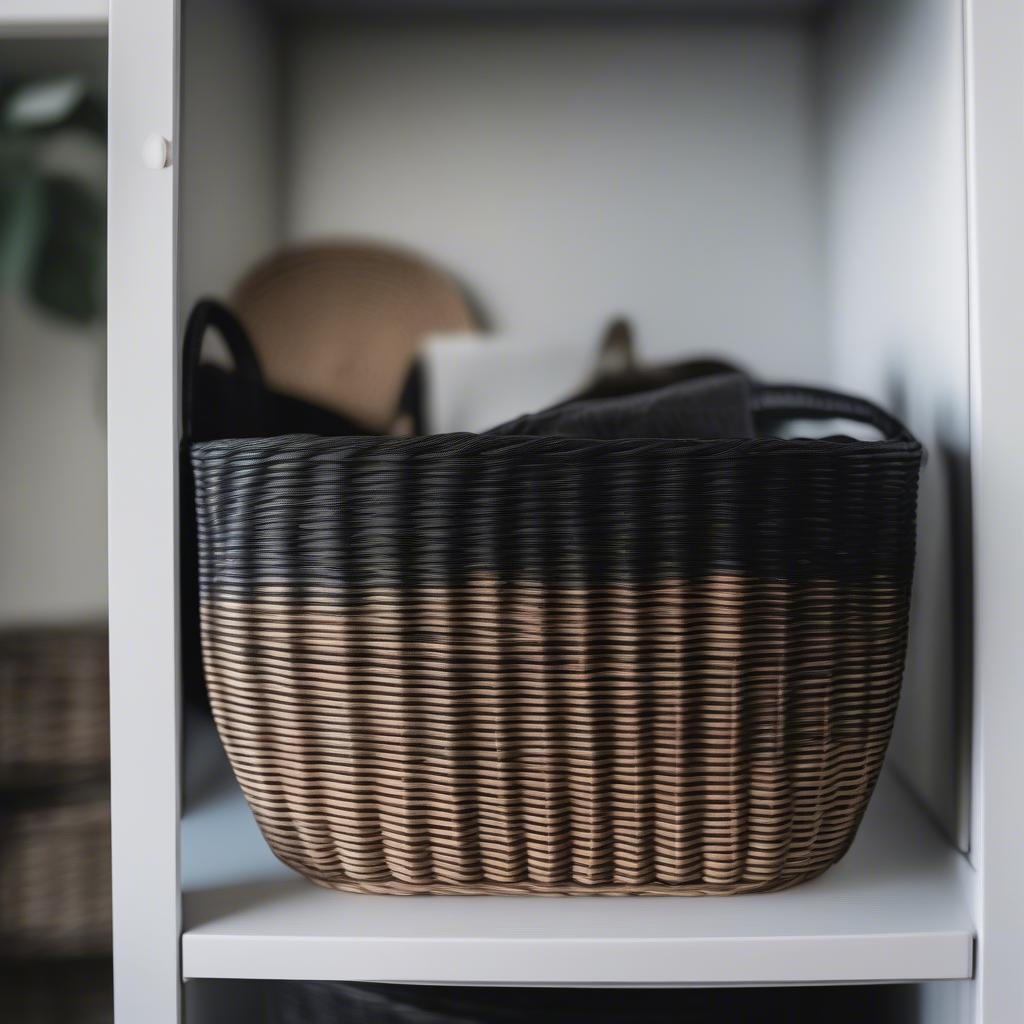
(53, 705)
(482, 664)
(55, 874)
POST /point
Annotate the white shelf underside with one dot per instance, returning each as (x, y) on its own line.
(892, 910)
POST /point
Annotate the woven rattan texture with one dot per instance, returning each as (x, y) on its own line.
(472, 664)
(55, 877)
(54, 709)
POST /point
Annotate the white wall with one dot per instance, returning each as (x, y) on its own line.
(897, 322)
(230, 163)
(53, 554)
(570, 172)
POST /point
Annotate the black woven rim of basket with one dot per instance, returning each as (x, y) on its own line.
(560, 510)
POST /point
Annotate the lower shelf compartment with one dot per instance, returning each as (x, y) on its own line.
(892, 910)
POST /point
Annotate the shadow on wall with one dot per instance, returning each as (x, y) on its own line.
(943, 591)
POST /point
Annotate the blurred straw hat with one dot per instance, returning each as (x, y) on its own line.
(340, 324)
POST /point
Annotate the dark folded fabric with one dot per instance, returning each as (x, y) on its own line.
(635, 379)
(714, 406)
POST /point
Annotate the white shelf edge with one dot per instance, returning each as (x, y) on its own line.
(680, 963)
(893, 910)
(53, 17)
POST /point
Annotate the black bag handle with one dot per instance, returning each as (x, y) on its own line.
(774, 404)
(205, 314)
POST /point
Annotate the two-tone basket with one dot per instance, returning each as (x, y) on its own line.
(492, 664)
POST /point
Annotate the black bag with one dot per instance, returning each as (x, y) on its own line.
(222, 403)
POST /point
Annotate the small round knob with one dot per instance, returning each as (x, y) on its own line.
(156, 152)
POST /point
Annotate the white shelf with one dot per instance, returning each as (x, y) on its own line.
(53, 17)
(892, 910)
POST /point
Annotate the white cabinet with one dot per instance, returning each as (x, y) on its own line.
(822, 191)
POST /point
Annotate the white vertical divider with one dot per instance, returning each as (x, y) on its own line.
(143, 511)
(994, 37)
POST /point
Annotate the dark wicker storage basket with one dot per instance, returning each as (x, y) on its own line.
(55, 874)
(54, 717)
(492, 664)
(54, 792)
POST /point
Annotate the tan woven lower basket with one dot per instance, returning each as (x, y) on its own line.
(480, 664)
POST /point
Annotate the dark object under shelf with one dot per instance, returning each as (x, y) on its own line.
(79, 991)
(327, 1002)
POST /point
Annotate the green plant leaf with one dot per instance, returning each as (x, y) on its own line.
(43, 103)
(21, 216)
(68, 274)
(42, 107)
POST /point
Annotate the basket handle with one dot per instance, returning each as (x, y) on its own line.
(208, 313)
(776, 404)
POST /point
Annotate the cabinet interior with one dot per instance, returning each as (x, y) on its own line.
(780, 183)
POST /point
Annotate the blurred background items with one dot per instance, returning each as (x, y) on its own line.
(55, 878)
(340, 324)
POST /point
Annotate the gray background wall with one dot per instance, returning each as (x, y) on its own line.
(570, 172)
(53, 550)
